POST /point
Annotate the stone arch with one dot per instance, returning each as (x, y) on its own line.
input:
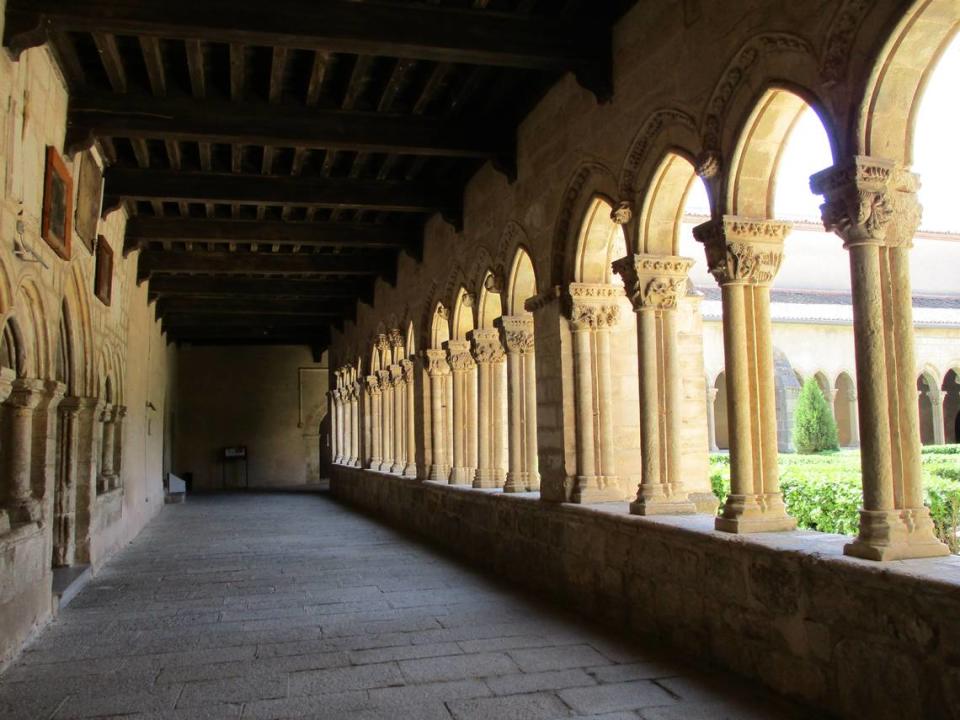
(410, 342)
(590, 181)
(13, 349)
(33, 328)
(522, 283)
(845, 410)
(600, 242)
(490, 306)
(667, 130)
(787, 386)
(823, 382)
(887, 114)
(439, 326)
(463, 314)
(661, 215)
(77, 307)
(951, 404)
(927, 389)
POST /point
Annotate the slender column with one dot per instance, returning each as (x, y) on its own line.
(854, 420)
(654, 284)
(24, 397)
(335, 423)
(7, 377)
(744, 256)
(399, 393)
(386, 420)
(88, 412)
(489, 357)
(462, 366)
(501, 438)
(107, 480)
(871, 204)
(936, 397)
(712, 420)
(65, 490)
(439, 373)
(366, 432)
(120, 417)
(344, 425)
(374, 392)
(531, 458)
(410, 468)
(592, 311)
(355, 424)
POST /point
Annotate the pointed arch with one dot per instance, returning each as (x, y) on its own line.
(522, 284)
(491, 301)
(439, 326)
(661, 216)
(463, 318)
(601, 242)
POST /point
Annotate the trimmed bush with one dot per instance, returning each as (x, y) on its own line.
(814, 429)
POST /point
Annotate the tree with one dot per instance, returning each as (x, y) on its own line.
(814, 429)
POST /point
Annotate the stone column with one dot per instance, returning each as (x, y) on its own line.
(344, 425)
(334, 440)
(65, 490)
(489, 357)
(7, 377)
(871, 204)
(354, 425)
(936, 397)
(461, 366)
(376, 447)
(25, 395)
(854, 420)
(386, 421)
(89, 410)
(592, 310)
(120, 417)
(399, 393)
(712, 420)
(654, 284)
(744, 256)
(366, 431)
(438, 370)
(410, 436)
(107, 473)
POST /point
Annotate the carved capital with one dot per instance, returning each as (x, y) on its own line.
(708, 164)
(373, 384)
(593, 305)
(437, 363)
(517, 333)
(383, 344)
(395, 337)
(742, 250)
(26, 393)
(385, 379)
(487, 347)
(407, 367)
(458, 355)
(654, 281)
(396, 375)
(622, 213)
(869, 201)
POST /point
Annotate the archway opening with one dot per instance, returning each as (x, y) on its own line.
(925, 400)
(523, 283)
(845, 411)
(951, 406)
(720, 412)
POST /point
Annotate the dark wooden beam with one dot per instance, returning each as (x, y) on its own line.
(418, 32)
(318, 341)
(252, 306)
(112, 62)
(236, 263)
(218, 321)
(143, 116)
(195, 286)
(139, 184)
(143, 230)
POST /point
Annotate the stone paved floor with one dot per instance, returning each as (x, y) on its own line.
(292, 606)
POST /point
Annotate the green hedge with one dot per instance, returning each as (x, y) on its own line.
(823, 492)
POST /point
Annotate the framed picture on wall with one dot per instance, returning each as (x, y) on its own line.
(89, 194)
(103, 276)
(55, 225)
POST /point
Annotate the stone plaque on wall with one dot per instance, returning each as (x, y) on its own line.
(89, 194)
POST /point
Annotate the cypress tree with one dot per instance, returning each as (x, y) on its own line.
(814, 428)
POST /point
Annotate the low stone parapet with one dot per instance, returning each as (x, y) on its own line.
(853, 637)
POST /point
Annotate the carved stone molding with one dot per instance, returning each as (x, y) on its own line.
(407, 367)
(869, 201)
(843, 29)
(459, 356)
(487, 347)
(373, 384)
(593, 305)
(437, 362)
(654, 281)
(743, 250)
(641, 146)
(517, 333)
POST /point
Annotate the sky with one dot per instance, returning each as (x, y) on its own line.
(936, 156)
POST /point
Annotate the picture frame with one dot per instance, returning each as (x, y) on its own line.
(89, 199)
(56, 226)
(103, 274)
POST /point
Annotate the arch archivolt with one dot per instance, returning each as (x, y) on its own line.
(81, 333)
(665, 130)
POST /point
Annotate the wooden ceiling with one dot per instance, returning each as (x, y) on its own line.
(275, 157)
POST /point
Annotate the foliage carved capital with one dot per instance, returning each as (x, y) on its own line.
(743, 251)
(654, 281)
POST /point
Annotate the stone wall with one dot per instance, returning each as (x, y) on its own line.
(270, 399)
(847, 636)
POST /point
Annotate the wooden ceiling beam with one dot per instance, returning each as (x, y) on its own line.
(252, 305)
(166, 185)
(143, 230)
(249, 320)
(195, 286)
(235, 263)
(103, 115)
(416, 32)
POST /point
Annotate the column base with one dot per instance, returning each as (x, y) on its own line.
(384, 466)
(755, 513)
(896, 535)
(521, 482)
(486, 478)
(662, 505)
(410, 471)
(596, 489)
(354, 463)
(396, 469)
(374, 464)
(706, 503)
(462, 476)
(26, 510)
(533, 482)
(439, 473)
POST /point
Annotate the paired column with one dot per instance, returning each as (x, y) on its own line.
(25, 395)
(744, 256)
(7, 377)
(523, 472)
(386, 420)
(354, 394)
(107, 479)
(936, 397)
(65, 494)
(335, 425)
(398, 383)
(410, 468)
(490, 359)
(593, 311)
(438, 371)
(871, 204)
(376, 410)
(464, 425)
(654, 283)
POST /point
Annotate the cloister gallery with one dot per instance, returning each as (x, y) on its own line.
(505, 272)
